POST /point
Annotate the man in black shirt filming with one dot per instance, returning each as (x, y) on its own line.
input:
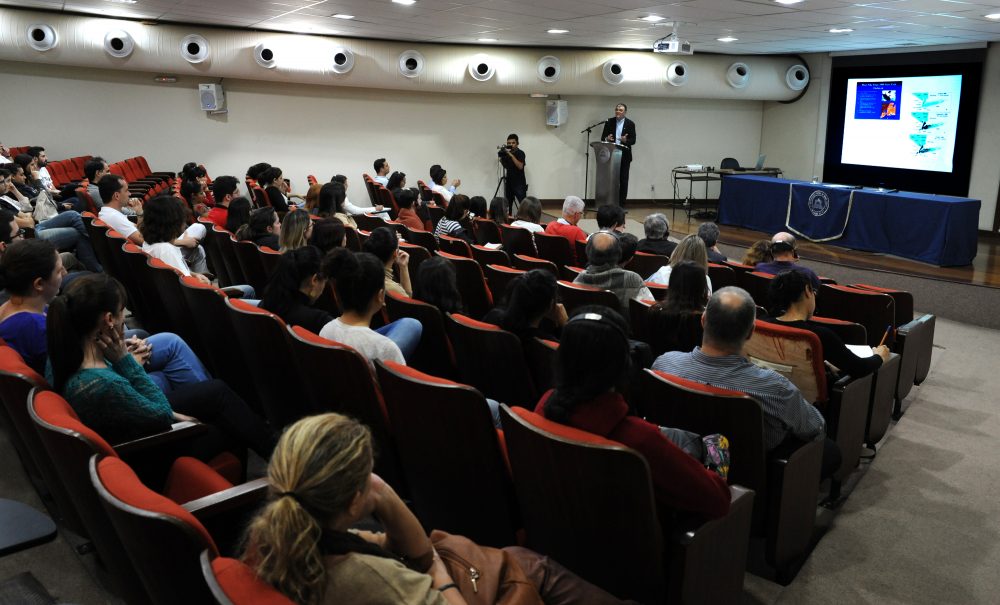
(512, 158)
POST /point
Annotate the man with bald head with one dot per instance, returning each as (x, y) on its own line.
(786, 257)
(604, 250)
(728, 321)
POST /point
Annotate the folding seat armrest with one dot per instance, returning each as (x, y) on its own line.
(793, 489)
(244, 497)
(846, 419)
(179, 431)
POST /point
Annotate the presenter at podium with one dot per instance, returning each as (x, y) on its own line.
(621, 130)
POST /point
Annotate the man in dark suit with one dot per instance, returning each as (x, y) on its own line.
(621, 130)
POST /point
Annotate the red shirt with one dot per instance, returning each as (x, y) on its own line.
(218, 215)
(571, 232)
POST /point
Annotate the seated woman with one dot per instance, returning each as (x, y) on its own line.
(360, 290)
(163, 225)
(438, 285)
(758, 252)
(591, 368)
(477, 206)
(691, 248)
(327, 234)
(397, 180)
(263, 228)
(384, 243)
(406, 200)
(793, 303)
(529, 213)
(295, 231)
(239, 214)
(331, 204)
(455, 217)
(299, 279)
(303, 544)
(498, 211)
(675, 322)
(31, 271)
(312, 198)
(275, 187)
(531, 309)
(92, 367)
(194, 194)
(361, 207)
(439, 182)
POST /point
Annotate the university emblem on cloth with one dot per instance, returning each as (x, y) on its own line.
(819, 202)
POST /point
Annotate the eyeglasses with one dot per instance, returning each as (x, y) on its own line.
(20, 233)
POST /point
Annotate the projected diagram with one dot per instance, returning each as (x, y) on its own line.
(926, 128)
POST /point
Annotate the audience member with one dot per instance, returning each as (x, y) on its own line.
(114, 188)
(396, 181)
(274, 186)
(591, 371)
(312, 198)
(238, 214)
(254, 172)
(530, 299)
(611, 219)
(162, 226)
(299, 279)
(498, 211)
(295, 231)
(224, 191)
(95, 168)
(709, 233)
(728, 322)
(657, 230)
(263, 228)
(327, 234)
(5, 154)
(359, 208)
(455, 217)
(331, 203)
(407, 215)
(477, 206)
(603, 253)
(691, 248)
(675, 322)
(384, 244)
(439, 182)
(41, 161)
(630, 244)
(438, 285)
(566, 225)
(784, 250)
(360, 288)
(108, 389)
(758, 252)
(529, 214)
(382, 169)
(793, 303)
(303, 544)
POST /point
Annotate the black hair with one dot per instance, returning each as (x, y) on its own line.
(513, 136)
(23, 160)
(331, 199)
(239, 214)
(6, 217)
(437, 173)
(269, 176)
(785, 289)
(379, 163)
(73, 315)
(396, 180)
(192, 171)
(437, 285)
(529, 297)
(498, 211)
(629, 244)
(256, 226)
(108, 186)
(328, 234)
(593, 358)
(360, 276)
(609, 216)
(284, 287)
(622, 104)
(163, 220)
(34, 151)
(688, 288)
(382, 242)
(477, 205)
(189, 189)
(23, 262)
(406, 198)
(338, 178)
(92, 166)
(254, 171)
(456, 207)
(223, 186)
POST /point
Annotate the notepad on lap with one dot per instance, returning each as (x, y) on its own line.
(861, 350)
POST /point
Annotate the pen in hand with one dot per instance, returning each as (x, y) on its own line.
(888, 330)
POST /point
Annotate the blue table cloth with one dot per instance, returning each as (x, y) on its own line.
(936, 229)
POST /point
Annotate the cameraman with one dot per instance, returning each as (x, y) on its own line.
(512, 158)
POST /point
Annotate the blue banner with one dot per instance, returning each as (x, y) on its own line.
(818, 214)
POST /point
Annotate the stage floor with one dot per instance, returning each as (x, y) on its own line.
(984, 270)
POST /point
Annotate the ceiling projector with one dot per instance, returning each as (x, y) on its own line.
(672, 45)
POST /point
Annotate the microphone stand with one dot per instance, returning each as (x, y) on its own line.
(586, 171)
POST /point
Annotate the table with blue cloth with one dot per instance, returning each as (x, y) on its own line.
(936, 229)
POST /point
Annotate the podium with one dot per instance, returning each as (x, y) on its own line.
(608, 159)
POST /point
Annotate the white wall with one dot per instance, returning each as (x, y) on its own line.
(324, 130)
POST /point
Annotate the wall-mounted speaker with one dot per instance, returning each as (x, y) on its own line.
(549, 69)
(678, 73)
(556, 112)
(264, 56)
(738, 75)
(212, 97)
(343, 60)
(118, 43)
(194, 48)
(481, 68)
(411, 63)
(41, 36)
(797, 77)
(613, 73)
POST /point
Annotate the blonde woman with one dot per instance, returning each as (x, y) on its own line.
(295, 231)
(691, 248)
(321, 484)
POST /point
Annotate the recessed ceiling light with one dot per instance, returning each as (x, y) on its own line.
(840, 30)
(539, 95)
(406, 2)
(727, 39)
(993, 16)
(123, 1)
(788, 1)
(652, 18)
(343, 16)
(487, 39)
(558, 31)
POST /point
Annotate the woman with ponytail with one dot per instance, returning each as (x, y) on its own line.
(591, 370)
(299, 279)
(321, 485)
(531, 310)
(109, 390)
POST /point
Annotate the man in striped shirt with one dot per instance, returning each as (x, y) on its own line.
(719, 361)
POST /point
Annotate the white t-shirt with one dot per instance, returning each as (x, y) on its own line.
(662, 276)
(533, 227)
(446, 192)
(117, 221)
(169, 254)
(44, 177)
(366, 341)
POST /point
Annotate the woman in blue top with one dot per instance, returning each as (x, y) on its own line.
(92, 367)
